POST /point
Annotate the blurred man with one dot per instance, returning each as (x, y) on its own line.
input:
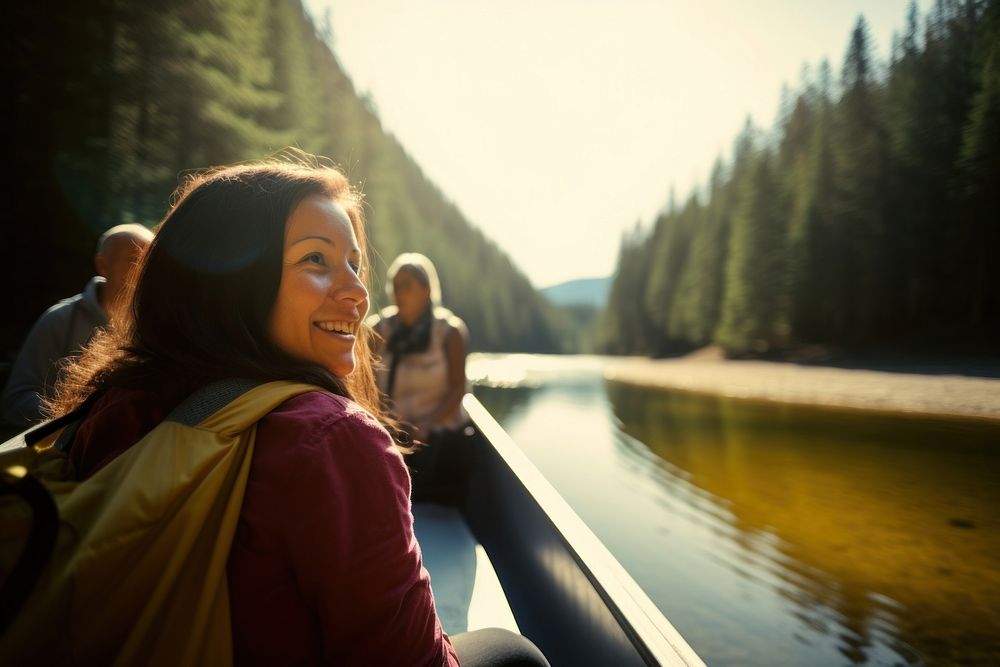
(65, 328)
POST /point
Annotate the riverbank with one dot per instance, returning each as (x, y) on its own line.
(913, 393)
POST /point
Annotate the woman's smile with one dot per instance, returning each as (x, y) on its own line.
(341, 327)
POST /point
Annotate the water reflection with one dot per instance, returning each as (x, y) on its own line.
(879, 531)
(775, 535)
(504, 403)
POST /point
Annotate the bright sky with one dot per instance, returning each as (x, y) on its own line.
(555, 125)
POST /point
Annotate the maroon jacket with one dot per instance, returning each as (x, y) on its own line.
(324, 567)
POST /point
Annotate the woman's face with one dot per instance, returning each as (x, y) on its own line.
(321, 299)
(412, 297)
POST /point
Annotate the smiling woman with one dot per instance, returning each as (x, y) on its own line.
(257, 273)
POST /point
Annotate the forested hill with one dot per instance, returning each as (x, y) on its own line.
(869, 216)
(115, 99)
(591, 292)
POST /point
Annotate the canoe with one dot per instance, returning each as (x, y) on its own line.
(566, 591)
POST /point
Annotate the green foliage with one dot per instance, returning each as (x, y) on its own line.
(813, 240)
(124, 96)
(756, 295)
(581, 321)
(695, 314)
(979, 163)
(867, 216)
(857, 206)
(669, 249)
(624, 326)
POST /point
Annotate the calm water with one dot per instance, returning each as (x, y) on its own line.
(773, 535)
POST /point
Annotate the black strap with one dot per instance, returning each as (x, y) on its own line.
(45, 429)
(208, 400)
(194, 409)
(37, 550)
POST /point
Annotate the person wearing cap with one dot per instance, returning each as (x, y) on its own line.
(65, 328)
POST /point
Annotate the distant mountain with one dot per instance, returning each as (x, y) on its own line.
(585, 292)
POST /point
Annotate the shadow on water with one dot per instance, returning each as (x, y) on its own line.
(880, 533)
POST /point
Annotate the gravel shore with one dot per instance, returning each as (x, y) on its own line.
(951, 395)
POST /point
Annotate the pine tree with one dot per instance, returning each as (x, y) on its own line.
(294, 120)
(858, 216)
(814, 244)
(625, 327)
(753, 318)
(979, 176)
(669, 246)
(696, 313)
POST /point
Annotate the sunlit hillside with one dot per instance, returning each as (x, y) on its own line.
(116, 101)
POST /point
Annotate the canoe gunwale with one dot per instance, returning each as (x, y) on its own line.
(531, 503)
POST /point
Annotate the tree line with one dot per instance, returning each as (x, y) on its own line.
(114, 100)
(869, 214)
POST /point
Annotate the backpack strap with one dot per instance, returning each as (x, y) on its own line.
(71, 421)
(194, 409)
(30, 565)
(208, 400)
(39, 432)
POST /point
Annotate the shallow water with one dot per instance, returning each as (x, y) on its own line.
(770, 534)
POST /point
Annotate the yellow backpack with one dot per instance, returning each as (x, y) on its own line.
(136, 572)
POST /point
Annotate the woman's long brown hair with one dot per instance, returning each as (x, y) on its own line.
(198, 302)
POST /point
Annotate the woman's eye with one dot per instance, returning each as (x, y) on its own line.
(314, 258)
(355, 266)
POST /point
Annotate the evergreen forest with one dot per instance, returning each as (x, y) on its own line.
(868, 217)
(115, 100)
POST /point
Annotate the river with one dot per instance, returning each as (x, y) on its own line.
(771, 534)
